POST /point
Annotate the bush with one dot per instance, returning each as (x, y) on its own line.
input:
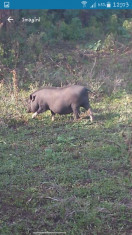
(73, 31)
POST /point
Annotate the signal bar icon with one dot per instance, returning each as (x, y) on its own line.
(93, 6)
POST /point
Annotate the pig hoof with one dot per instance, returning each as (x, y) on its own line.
(34, 115)
(91, 118)
(53, 118)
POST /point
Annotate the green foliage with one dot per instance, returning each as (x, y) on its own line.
(128, 25)
(96, 46)
(109, 41)
(73, 31)
(113, 24)
(24, 43)
(1, 50)
(70, 59)
(95, 29)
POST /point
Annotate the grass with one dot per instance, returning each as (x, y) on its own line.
(66, 176)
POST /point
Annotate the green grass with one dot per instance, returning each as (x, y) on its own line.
(67, 176)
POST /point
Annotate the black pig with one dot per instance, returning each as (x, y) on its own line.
(61, 100)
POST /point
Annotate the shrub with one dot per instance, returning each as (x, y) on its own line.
(73, 31)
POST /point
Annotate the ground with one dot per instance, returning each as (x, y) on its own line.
(66, 176)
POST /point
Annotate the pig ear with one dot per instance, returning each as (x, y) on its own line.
(32, 97)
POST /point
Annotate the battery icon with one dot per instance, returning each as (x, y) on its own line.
(108, 5)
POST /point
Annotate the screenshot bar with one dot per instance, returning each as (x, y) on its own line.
(66, 4)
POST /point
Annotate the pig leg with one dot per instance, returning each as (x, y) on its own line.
(53, 116)
(76, 111)
(89, 112)
(40, 110)
(34, 115)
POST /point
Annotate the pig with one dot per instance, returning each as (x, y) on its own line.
(60, 100)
